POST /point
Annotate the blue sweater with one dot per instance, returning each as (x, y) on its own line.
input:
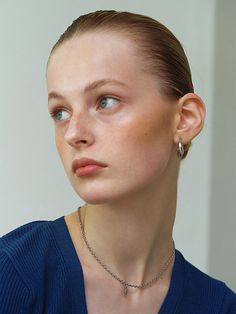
(41, 273)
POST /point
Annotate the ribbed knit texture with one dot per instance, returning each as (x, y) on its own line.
(41, 273)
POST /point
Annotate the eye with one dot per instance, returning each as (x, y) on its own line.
(107, 102)
(59, 114)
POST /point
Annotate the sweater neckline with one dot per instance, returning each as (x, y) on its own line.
(76, 277)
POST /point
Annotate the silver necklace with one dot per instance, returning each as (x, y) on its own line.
(125, 284)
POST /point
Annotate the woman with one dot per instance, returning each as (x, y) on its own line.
(121, 97)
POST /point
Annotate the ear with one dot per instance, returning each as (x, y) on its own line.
(190, 118)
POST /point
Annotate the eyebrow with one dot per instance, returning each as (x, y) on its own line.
(102, 82)
(89, 87)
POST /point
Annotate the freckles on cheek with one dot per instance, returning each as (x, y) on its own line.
(150, 136)
(142, 134)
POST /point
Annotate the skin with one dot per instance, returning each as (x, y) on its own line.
(133, 199)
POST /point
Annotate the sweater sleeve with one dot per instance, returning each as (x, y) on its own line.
(14, 294)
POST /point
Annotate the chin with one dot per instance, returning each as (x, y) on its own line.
(93, 195)
(103, 196)
(94, 199)
(100, 195)
(95, 190)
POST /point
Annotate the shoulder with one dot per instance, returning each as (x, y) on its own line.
(16, 251)
(26, 245)
(207, 291)
(22, 231)
(29, 249)
(30, 243)
(33, 271)
(25, 240)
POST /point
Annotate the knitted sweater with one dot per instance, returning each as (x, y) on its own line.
(41, 273)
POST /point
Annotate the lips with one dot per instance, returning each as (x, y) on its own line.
(86, 166)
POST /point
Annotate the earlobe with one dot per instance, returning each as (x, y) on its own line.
(190, 118)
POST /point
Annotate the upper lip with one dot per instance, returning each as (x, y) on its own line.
(83, 162)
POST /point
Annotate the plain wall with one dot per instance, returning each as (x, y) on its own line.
(222, 242)
(33, 184)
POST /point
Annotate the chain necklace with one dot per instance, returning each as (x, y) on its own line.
(125, 284)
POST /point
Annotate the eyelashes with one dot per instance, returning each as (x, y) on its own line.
(104, 103)
(59, 114)
(107, 102)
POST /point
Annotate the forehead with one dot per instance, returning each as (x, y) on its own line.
(96, 41)
(96, 56)
(93, 55)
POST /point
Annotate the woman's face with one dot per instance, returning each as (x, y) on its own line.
(108, 109)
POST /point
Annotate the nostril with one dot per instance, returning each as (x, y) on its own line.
(83, 141)
(78, 134)
(78, 142)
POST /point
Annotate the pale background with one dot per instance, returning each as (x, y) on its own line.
(32, 181)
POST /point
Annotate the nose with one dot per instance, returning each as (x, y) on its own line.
(79, 132)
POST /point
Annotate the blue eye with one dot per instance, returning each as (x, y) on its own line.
(60, 115)
(107, 102)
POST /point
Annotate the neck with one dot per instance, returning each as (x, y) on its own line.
(133, 235)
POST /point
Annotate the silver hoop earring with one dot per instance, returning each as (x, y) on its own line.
(180, 149)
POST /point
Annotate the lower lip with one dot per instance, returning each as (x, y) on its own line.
(87, 170)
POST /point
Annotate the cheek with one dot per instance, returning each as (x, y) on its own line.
(146, 145)
(150, 133)
(59, 143)
(61, 146)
